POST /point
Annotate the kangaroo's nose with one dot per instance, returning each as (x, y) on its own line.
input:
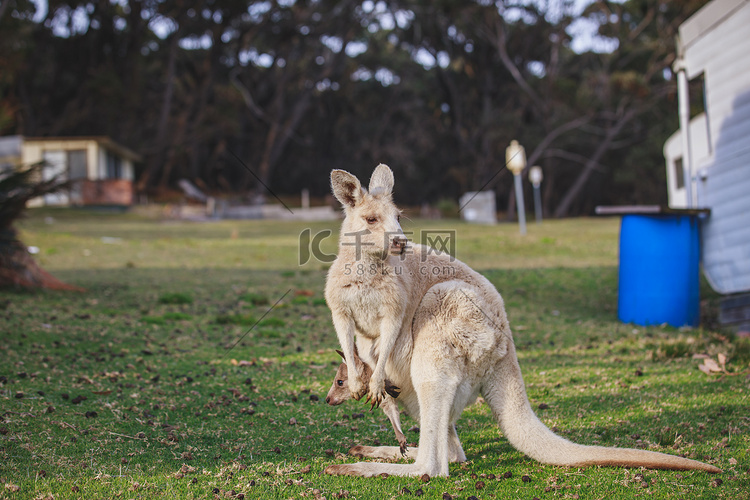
(328, 400)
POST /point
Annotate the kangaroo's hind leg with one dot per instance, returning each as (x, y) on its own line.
(455, 450)
(390, 408)
(435, 443)
(436, 390)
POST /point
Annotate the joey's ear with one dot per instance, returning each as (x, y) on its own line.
(382, 178)
(342, 355)
(346, 188)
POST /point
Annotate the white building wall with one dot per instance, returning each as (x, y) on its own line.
(128, 170)
(677, 196)
(717, 45)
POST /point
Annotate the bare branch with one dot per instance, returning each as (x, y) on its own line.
(499, 40)
(554, 134)
(567, 155)
(246, 96)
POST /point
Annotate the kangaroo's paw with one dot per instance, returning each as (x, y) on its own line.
(357, 387)
(376, 392)
(402, 447)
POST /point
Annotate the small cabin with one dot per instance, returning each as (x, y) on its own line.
(708, 159)
(100, 171)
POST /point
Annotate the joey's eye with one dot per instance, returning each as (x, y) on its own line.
(340, 383)
(371, 220)
(398, 218)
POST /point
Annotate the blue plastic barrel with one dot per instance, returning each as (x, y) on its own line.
(659, 270)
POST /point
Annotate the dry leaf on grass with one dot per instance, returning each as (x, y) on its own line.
(187, 469)
(243, 362)
(710, 366)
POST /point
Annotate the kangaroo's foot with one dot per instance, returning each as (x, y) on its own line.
(371, 469)
(383, 452)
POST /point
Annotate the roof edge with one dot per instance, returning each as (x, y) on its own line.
(707, 18)
(102, 140)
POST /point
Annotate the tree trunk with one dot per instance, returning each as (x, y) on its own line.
(3, 8)
(157, 158)
(575, 190)
(19, 270)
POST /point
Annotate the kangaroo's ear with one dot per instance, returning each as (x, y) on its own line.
(382, 178)
(346, 188)
(342, 355)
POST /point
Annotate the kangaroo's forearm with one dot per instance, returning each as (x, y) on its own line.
(388, 337)
(345, 332)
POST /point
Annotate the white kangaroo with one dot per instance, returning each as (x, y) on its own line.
(440, 331)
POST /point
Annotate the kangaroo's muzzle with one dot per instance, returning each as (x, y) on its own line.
(398, 245)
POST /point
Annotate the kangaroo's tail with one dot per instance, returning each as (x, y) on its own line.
(506, 395)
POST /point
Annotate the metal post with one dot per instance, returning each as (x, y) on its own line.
(520, 204)
(535, 176)
(683, 99)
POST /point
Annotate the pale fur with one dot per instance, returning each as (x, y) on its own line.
(339, 393)
(363, 243)
(440, 331)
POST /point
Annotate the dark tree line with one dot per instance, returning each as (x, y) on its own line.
(293, 88)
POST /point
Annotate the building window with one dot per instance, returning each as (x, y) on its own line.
(55, 167)
(77, 168)
(679, 173)
(114, 166)
(699, 104)
(697, 89)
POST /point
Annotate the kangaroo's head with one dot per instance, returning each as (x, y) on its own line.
(371, 223)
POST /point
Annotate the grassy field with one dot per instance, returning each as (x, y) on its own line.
(153, 382)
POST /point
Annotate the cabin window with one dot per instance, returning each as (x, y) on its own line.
(77, 168)
(697, 89)
(54, 164)
(699, 103)
(704, 95)
(114, 166)
(679, 173)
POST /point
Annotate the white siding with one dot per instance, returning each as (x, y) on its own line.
(673, 150)
(717, 45)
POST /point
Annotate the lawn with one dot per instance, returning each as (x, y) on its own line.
(196, 363)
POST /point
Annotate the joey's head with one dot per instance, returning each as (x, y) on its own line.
(372, 222)
(339, 391)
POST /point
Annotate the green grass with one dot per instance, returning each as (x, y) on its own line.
(154, 383)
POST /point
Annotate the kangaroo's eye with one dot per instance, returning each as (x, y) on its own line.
(398, 218)
(371, 220)
(340, 383)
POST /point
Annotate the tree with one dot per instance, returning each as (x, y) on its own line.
(630, 82)
(17, 267)
(436, 88)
